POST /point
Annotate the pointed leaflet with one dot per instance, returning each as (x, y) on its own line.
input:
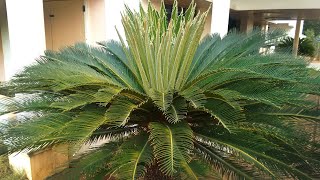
(195, 96)
(177, 111)
(227, 114)
(132, 158)
(121, 108)
(162, 99)
(36, 132)
(171, 145)
(82, 98)
(239, 152)
(198, 170)
(220, 162)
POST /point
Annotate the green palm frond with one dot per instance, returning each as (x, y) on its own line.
(198, 170)
(162, 99)
(120, 110)
(226, 113)
(167, 103)
(241, 153)
(171, 144)
(260, 150)
(132, 159)
(177, 111)
(221, 163)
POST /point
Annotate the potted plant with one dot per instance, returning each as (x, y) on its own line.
(172, 106)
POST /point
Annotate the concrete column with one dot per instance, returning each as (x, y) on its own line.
(95, 21)
(220, 17)
(4, 39)
(296, 38)
(264, 26)
(113, 18)
(1, 60)
(247, 22)
(23, 34)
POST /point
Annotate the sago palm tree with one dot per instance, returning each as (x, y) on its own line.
(172, 106)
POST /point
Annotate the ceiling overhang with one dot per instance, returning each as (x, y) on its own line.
(242, 5)
(282, 14)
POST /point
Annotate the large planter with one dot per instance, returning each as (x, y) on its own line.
(39, 165)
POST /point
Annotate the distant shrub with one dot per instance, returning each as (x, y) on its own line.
(306, 47)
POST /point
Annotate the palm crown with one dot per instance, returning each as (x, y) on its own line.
(170, 103)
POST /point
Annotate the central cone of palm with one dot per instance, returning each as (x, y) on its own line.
(169, 104)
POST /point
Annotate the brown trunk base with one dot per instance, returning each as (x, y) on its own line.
(153, 173)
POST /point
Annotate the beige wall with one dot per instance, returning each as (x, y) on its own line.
(67, 25)
(39, 165)
(207, 26)
(155, 3)
(5, 43)
(96, 22)
(1, 60)
(46, 162)
(21, 24)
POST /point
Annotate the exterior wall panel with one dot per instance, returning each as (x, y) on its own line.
(64, 23)
(1, 61)
(96, 21)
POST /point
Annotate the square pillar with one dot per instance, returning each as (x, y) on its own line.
(297, 37)
(23, 34)
(264, 26)
(1, 61)
(247, 22)
(220, 17)
(95, 21)
(4, 39)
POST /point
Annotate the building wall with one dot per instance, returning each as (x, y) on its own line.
(113, 11)
(23, 36)
(5, 43)
(1, 61)
(155, 3)
(64, 23)
(95, 21)
(288, 25)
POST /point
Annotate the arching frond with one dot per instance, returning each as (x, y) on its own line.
(223, 164)
(177, 111)
(132, 158)
(253, 150)
(241, 153)
(227, 114)
(199, 170)
(118, 114)
(162, 99)
(171, 145)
